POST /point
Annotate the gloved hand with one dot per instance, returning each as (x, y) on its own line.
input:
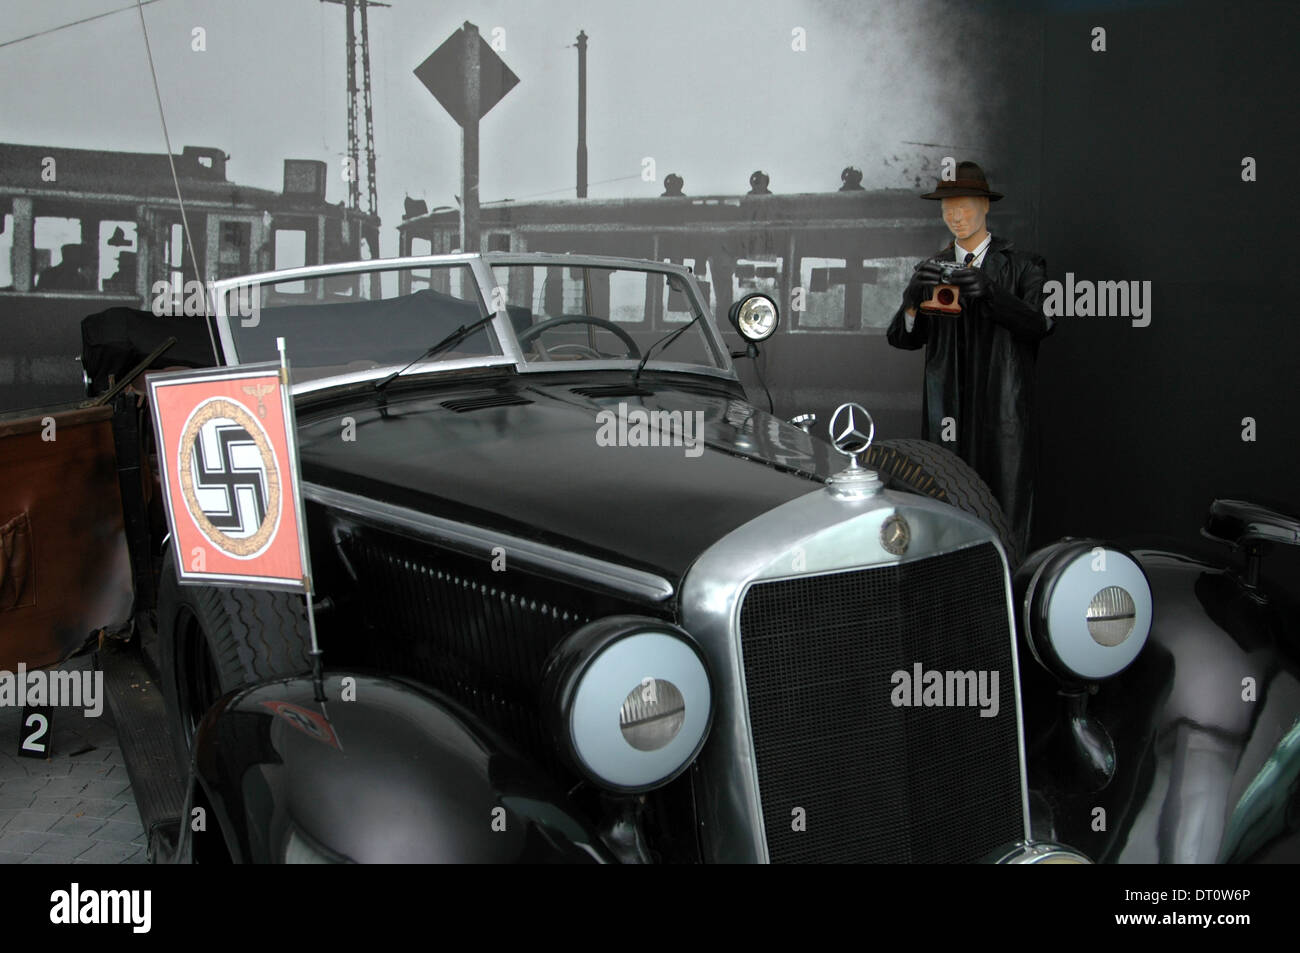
(971, 282)
(924, 277)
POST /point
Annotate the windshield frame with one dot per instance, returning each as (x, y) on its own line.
(481, 268)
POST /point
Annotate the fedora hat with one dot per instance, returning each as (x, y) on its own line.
(970, 181)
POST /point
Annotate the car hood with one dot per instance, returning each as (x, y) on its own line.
(530, 459)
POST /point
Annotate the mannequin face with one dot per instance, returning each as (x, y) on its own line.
(965, 216)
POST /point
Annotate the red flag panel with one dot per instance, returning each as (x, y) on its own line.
(228, 461)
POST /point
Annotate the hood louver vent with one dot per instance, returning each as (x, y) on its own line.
(463, 405)
(612, 390)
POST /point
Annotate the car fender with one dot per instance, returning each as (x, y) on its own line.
(393, 774)
(1206, 726)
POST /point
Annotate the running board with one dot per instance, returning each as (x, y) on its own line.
(136, 702)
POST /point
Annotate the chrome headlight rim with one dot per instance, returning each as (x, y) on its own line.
(1037, 852)
(585, 687)
(740, 310)
(1045, 618)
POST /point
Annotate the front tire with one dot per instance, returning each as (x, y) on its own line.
(213, 641)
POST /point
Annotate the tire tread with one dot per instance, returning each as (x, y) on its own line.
(931, 470)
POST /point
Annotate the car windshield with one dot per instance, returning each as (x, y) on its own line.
(358, 321)
(344, 323)
(584, 312)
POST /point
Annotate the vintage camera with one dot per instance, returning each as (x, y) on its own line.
(944, 298)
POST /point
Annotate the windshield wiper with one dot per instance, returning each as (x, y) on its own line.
(666, 340)
(450, 341)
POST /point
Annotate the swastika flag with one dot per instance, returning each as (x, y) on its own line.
(228, 462)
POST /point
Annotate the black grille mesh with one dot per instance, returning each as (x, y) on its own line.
(876, 782)
(450, 622)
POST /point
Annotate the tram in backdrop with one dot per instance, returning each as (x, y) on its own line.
(83, 230)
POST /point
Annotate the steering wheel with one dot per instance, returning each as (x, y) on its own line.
(528, 334)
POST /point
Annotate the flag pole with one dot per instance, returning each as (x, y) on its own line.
(317, 670)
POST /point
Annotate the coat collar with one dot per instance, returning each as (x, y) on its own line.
(995, 262)
(996, 245)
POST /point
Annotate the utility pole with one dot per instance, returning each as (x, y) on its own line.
(469, 222)
(359, 103)
(582, 114)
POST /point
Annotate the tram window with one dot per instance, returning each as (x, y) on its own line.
(823, 281)
(852, 294)
(627, 297)
(677, 308)
(6, 252)
(755, 275)
(59, 262)
(176, 246)
(290, 252)
(233, 249)
(118, 261)
(881, 296)
(518, 284)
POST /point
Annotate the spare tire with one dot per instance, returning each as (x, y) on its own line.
(212, 641)
(920, 466)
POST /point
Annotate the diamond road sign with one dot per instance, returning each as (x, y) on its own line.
(443, 74)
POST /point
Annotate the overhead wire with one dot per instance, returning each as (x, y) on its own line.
(64, 26)
(180, 200)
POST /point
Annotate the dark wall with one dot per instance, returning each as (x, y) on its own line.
(1141, 179)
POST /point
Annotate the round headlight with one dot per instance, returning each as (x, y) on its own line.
(629, 701)
(1086, 609)
(652, 714)
(755, 317)
(1112, 613)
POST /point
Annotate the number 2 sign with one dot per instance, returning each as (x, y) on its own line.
(34, 732)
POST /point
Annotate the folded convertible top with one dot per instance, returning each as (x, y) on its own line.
(114, 341)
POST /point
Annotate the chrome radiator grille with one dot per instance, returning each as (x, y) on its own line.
(878, 782)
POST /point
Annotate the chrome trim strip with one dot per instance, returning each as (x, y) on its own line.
(812, 535)
(480, 542)
(557, 259)
(340, 268)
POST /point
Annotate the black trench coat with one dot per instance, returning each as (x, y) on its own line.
(979, 370)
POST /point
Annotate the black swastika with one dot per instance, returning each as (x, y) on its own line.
(224, 475)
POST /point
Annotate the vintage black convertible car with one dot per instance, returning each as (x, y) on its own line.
(579, 599)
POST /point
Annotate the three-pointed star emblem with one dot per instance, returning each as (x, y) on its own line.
(852, 429)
